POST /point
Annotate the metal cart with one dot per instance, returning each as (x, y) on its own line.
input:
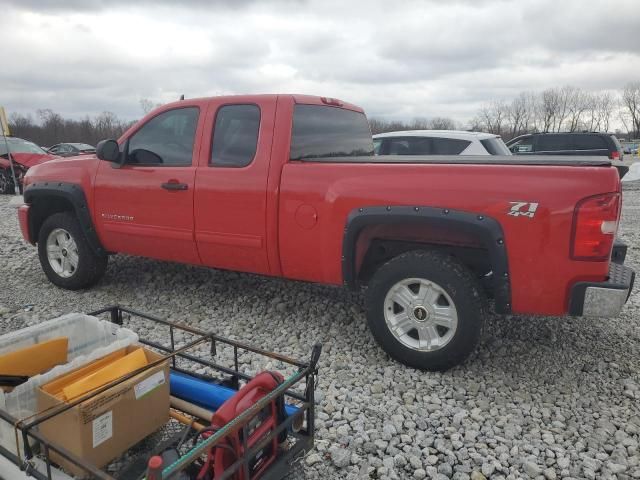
(204, 355)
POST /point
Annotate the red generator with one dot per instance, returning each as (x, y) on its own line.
(223, 455)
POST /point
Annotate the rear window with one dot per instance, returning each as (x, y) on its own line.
(320, 132)
(617, 143)
(495, 146)
(590, 142)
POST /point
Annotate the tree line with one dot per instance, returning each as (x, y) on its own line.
(52, 128)
(560, 109)
(563, 109)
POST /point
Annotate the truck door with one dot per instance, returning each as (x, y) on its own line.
(231, 184)
(145, 207)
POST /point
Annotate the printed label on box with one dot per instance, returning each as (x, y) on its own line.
(149, 384)
(102, 428)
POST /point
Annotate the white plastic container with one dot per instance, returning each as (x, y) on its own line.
(89, 339)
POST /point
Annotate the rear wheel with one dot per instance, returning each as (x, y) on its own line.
(426, 310)
(6, 182)
(65, 255)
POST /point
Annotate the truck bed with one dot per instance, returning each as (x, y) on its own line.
(559, 160)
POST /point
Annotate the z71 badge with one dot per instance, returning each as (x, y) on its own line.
(523, 209)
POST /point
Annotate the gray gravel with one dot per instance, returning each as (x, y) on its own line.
(542, 398)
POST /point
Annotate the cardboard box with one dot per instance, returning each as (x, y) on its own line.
(102, 428)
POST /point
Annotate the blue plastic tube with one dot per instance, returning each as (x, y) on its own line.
(205, 394)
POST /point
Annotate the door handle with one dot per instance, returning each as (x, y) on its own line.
(174, 186)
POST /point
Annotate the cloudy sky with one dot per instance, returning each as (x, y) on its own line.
(397, 59)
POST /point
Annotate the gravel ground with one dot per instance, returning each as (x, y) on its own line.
(541, 397)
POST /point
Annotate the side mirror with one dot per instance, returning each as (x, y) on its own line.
(108, 150)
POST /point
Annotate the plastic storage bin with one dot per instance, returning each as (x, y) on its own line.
(89, 339)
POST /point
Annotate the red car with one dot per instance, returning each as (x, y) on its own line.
(287, 185)
(25, 155)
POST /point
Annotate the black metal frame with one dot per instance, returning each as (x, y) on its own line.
(303, 438)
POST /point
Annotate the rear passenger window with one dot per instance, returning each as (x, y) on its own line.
(448, 146)
(399, 146)
(552, 143)
(420, 146)
(235, 136)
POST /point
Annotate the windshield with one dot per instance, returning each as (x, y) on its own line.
(495, 146)
(17, 145)
(83, 146)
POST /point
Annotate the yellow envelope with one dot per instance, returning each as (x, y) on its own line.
(55, 387)
(35, 359)
(127, 364)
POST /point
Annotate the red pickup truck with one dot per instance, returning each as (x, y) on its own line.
(287, 185)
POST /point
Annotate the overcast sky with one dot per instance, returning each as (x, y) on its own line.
(397, 59)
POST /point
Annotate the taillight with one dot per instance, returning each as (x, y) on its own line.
(615, 155)
(595, 223)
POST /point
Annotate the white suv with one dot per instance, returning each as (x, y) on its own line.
(438, 142)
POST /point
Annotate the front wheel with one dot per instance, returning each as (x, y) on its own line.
(426, 310)
(65, 255)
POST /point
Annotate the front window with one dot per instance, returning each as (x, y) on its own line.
(322, 132)
(166, 139)
(522, 146)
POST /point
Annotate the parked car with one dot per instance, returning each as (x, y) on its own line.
(438, 142)
(72, 149)
(288, 186)
(25, 155)
(583, 143)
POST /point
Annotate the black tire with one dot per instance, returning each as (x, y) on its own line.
(6, 182)
(458, 283)
(91, 267)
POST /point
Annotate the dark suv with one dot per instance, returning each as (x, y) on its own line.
(592, 143)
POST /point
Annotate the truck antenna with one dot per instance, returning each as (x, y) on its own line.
(182, 97)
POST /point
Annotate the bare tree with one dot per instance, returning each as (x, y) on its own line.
(517, 115)
(419, 123)
(147, 105)
(441, 123)
(631, 103)
(53, 128)
(605, 106)
(577, 104)
(566, 97)
(548, 106)
(492, 117)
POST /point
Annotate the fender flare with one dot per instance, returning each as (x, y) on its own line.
(72, 193)
(486, 230)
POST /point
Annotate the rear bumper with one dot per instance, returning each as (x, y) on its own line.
(603, 299)
(23, 218)
(619, 252)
